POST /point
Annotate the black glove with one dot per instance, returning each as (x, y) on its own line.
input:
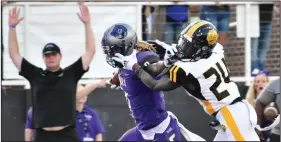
(159, 49)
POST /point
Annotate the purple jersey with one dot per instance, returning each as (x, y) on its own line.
(147, 106)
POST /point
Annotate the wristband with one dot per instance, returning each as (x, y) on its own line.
(11, 27)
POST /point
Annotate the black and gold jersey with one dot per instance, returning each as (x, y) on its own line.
(207, 80)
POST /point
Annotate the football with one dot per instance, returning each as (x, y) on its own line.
(270, 112)
(115, 79)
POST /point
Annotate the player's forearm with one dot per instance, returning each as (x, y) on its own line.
(86, 90)
(155, 68)
(146, 78)
(162, 84)
(259, 110)
(90, 40)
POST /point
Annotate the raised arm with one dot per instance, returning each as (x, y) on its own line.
(90, 50)
(13, 45)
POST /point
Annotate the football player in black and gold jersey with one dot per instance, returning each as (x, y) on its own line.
(200, 68)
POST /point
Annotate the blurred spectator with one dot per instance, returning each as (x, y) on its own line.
(176, 17)
(259, 83)
(147, 21)
(260, 45)
(219, 15)
(270, 94)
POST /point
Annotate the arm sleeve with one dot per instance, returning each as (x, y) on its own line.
(77, 69)
(28, 70)
(176, 74)
(98, 126)
(269, 93)
(29, 119)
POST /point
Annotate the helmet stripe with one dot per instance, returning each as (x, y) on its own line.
(195, 27)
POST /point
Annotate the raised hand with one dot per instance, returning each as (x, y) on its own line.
(14, 19)
(171, 50)
(84, 15)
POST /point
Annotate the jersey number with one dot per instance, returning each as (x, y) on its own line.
(219, 79)
(122, 82)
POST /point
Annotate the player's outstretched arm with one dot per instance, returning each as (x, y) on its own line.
(163, 84)
(154, 69)
(85, 17)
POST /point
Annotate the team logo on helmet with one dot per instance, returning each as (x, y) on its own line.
(119, 31)
(212, 37)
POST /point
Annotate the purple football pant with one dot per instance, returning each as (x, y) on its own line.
(172, 133)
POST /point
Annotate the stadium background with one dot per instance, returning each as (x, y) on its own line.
(111, 104)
